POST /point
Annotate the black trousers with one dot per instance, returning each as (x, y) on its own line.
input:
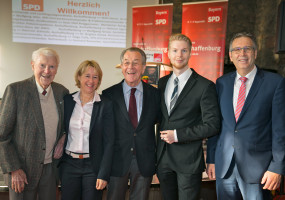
(78, 181)
(176, 185)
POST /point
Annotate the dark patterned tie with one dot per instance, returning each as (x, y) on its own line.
(241, 97)
(133, 108)
(174, 95)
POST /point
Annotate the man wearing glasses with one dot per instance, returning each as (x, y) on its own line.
(247, 157)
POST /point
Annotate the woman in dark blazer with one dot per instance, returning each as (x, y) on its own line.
(88, 150)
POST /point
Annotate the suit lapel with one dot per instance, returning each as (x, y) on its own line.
(59, 105)
(69, 104)
(95, 111)
(252, 92)
(162, 87)
(119, 95)
(36, 108)
(229, 98)
(186, 90)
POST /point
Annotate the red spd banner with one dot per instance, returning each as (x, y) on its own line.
(152, 26)
(205, 24)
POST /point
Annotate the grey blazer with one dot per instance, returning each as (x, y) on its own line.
(22, 133)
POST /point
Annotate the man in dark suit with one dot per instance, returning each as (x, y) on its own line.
(31, 117)
(136, 111)
(190, 113)
(247, 157)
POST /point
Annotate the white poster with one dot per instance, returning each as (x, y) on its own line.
(99, 23)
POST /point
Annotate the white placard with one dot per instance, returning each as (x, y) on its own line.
(99, 23)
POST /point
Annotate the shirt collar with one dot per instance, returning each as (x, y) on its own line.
(128, 88)
(250, 75)
(76, 97)
(40, 89)
(184, 76)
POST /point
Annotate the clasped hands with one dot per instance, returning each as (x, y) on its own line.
(101, 184)
(167, 136)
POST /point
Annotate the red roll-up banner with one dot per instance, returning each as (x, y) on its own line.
(205, 24)
(152, 26)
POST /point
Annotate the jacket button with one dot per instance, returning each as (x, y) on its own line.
(135, 134)
(132, 149)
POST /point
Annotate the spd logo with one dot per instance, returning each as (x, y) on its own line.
(215, 15)
(32, 5)
(161, 17)
(157, 57)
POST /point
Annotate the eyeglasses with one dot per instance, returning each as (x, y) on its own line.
(130, 63)
(247, 49)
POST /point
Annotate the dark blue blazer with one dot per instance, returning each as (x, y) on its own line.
(102, 135)
(257, 140)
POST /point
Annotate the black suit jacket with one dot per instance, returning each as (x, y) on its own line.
(102, 135)
(195, 116)
(127, 138)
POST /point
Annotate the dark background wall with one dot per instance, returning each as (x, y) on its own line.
(258, 17)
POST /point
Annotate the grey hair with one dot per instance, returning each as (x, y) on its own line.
(46, 52)
(243, 34)
(134, 49)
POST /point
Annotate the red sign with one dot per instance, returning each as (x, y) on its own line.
(205, 25)
(215, 15)
(152, 27)
(161, 17)
(32, 5)
(157, 57)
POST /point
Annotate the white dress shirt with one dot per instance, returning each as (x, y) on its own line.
(79, 125)
(250, 77)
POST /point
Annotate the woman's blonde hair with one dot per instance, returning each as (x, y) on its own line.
(82, 68)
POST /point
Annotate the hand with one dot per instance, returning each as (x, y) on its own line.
(211, 171)
(167, 136)
(18, 180)
(271, 180)
(59, 147)
(100, 184)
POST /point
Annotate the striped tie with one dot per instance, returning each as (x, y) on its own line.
(241, 97)
(174, 95)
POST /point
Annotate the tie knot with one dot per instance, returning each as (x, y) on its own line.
(44, 92)
(243, 79)
(133, 90)
(176, 80)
